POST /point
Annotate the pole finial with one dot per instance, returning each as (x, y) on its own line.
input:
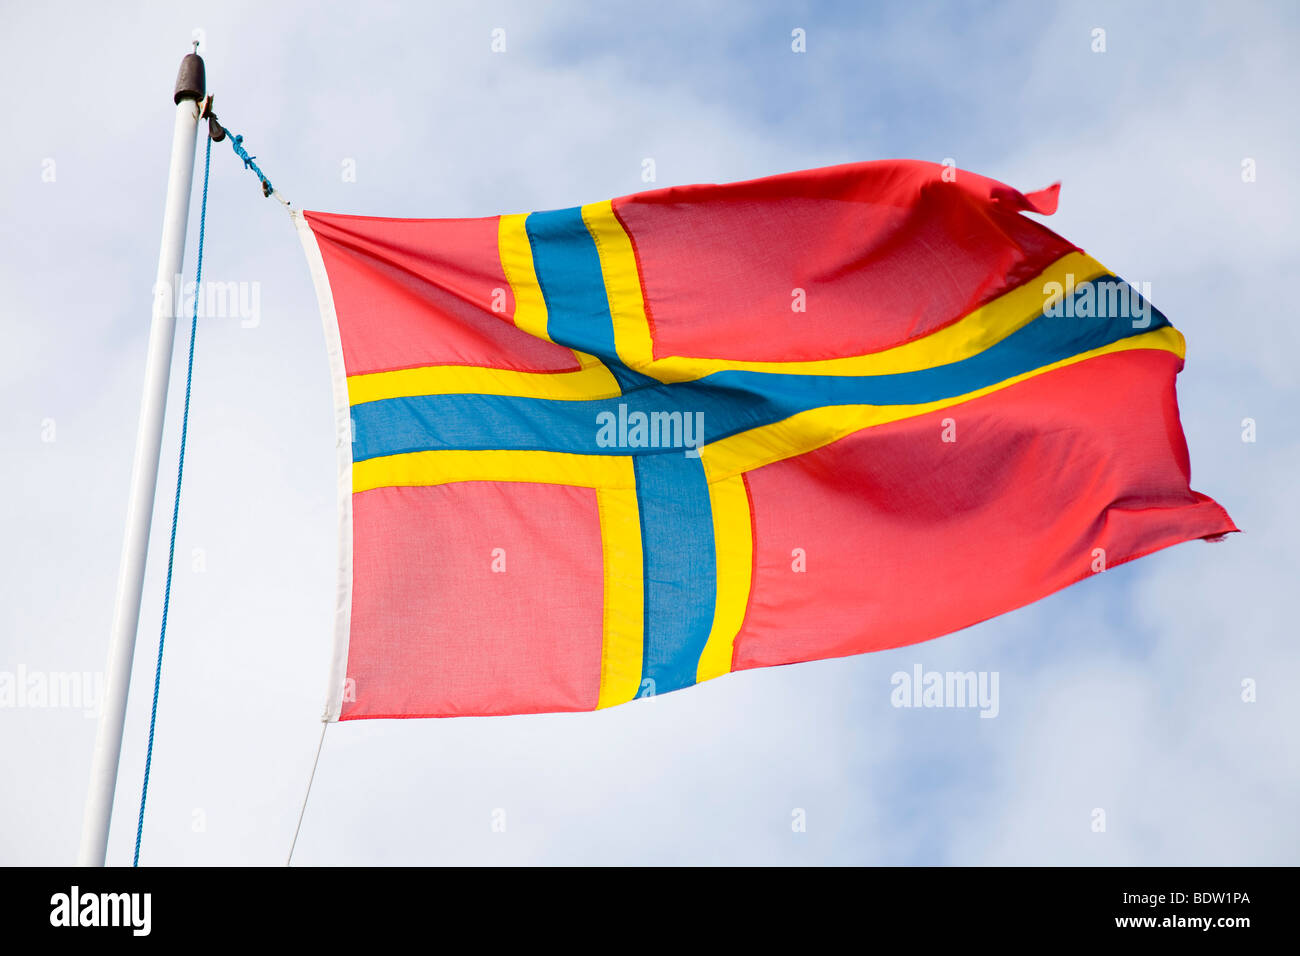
(190, 81)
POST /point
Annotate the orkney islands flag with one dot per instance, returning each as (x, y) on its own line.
(610, 451)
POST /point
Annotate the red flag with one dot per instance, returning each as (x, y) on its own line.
(610, 451)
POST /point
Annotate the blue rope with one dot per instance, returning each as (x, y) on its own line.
(237, 144)
(176, 504)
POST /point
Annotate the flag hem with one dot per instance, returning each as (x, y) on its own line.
(343, 444)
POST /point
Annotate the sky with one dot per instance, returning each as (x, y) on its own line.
(1162, 693)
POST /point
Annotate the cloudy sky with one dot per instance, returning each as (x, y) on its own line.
(1123, 693)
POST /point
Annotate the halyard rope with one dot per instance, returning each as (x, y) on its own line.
(176, 504)
(303, 811)
(237, 143)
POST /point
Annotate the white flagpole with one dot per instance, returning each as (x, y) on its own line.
(188, 97)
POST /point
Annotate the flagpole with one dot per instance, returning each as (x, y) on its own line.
(188, 98)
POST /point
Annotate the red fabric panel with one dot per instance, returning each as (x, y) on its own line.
(436, 632)
(413, 292)
(908, 537)
(884, 251)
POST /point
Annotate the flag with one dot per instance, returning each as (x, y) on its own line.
(610, 451)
